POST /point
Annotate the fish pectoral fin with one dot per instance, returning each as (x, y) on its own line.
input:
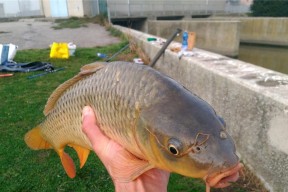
(35, 140)
(82, 153)
(67, 163)
(128, 169)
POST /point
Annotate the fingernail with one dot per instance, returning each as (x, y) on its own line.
(86, 110)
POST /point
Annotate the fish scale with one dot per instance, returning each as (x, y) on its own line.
(149, 114)
(114, 118)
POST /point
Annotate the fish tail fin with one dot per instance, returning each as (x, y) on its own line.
(82, 153)
(35, 141)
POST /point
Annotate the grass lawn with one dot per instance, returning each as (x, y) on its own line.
(75, 22)
(21, 106)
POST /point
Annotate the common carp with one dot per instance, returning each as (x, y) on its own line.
(148, 113)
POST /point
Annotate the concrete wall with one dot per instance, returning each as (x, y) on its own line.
(217, 36)
(88, 8)
(157, 8)
(20, 8)
(46, 8)
(75, 8)
(272, 31)
(261, 30)
(252, 100)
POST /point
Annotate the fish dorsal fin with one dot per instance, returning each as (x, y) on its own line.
(93, 66)
(86, 70)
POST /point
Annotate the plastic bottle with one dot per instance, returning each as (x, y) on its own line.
(72, 48)
(101, 55)
(184, 41)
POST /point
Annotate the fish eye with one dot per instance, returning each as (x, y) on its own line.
(173, 149)
(174, 146)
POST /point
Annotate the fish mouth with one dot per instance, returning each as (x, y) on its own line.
(224, 178)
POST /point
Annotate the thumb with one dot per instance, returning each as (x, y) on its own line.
(89, 126)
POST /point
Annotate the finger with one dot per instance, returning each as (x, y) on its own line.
(98, 140)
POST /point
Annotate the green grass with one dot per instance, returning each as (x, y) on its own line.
(23, 101)
(21, 106)
(72, 23)
(77, 22)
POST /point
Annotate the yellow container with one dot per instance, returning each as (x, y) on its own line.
(59, 51)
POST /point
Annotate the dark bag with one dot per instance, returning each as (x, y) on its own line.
(26, 67)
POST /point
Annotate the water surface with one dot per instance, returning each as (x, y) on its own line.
(270, 57)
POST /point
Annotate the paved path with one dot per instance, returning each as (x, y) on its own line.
(31, 34)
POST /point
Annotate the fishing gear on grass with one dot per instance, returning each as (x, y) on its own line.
(26, 67)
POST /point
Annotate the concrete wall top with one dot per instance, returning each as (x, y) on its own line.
(252, 100)
(217, 36)
(262, 30)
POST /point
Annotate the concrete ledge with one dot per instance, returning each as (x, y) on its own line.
(252, 100)
(261, 30)
(272, 31)
(217, 36)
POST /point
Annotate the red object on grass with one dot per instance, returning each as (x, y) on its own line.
(6, 75)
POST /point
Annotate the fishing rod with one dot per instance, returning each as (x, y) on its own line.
(162, 50)
(45, 73)
(122, 49)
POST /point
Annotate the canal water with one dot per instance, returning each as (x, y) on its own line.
(270, 57)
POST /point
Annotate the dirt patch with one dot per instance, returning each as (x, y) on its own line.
(35, 34)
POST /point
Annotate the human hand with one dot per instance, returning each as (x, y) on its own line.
(117, 159)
